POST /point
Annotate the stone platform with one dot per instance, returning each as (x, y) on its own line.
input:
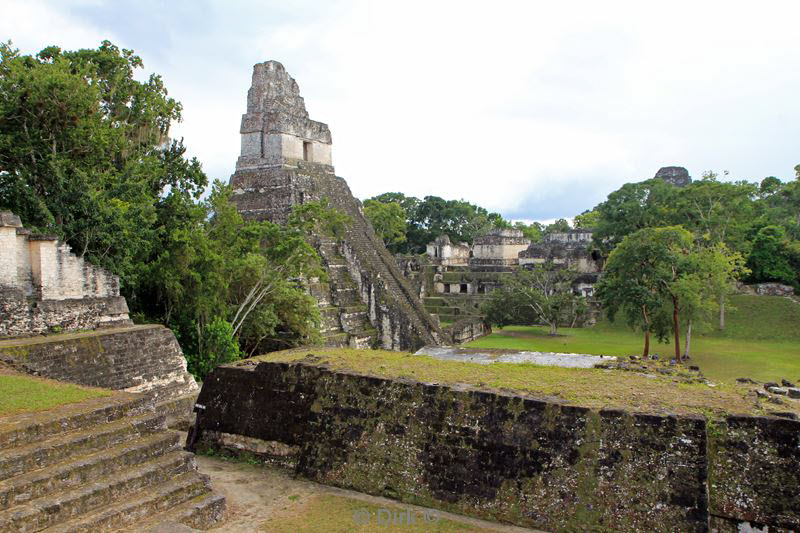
(105, 464)
(138, 359)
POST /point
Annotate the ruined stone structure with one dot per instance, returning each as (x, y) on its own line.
(104, 464)
(529, 461)
(677, 176)
(136, 359)
(447, 253)
(572, 249)
(497, 249)
(45, 287)
(453, 287)
(286, 161)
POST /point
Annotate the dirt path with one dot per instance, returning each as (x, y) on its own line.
(257, 495)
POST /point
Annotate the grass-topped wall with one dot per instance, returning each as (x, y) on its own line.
(524, 457)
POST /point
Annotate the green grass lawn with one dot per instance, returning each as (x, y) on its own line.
(590, 387)
(761, 340)
(20, 393)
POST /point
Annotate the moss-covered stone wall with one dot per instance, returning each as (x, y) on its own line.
(754, 472)
(523, 460)
(134, 359)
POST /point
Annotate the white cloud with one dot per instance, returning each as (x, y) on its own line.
(534, 109)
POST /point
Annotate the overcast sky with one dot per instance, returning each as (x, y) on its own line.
(535, 109)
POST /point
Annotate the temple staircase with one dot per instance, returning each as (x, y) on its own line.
(345, 318)
(105, 464)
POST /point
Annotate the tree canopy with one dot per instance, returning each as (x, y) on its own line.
(427, 219)
(658, 277)
(85, 155)
(540, 295)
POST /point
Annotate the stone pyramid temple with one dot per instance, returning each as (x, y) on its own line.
(286, 161)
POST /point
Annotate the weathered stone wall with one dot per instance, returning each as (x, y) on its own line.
(134, 359)
(44, 286)
(21, 316)
(765, 289)
(511, 458)
(467, 329)
(754, 472)
(486, 454)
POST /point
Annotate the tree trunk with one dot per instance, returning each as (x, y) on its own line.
(677, 327)
(646, 351)
(722, 312)
(688, 342)
(553, 328)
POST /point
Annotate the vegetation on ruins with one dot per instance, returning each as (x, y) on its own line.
(673, 392)
(388, 219)
(24, 393)
(85, 155)
(427, 219)
(540, 295)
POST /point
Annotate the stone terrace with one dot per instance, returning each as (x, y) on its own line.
(104, 464)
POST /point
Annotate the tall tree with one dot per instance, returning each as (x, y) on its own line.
(541, 295)
(663, 272)
(389, 221)
(632, 207)
(84, 150)
(718, 213)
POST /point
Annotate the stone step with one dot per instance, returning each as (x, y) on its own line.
(76, 471)
(346, 297)
(335, 339)
(51, 510)
(201, 512)
(142, 506)
(86, 440)
(178, 411)
(360, 341)
(356, 325)
(27, 428)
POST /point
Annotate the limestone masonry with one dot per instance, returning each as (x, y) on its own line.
(285, 161)
(534, 462)
(44, 286)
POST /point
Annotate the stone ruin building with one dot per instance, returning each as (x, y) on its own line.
(458, 277)
(105, 463)
(286, 161)
(45, 287)
(572, 249)
(677, 176)
(497, 250)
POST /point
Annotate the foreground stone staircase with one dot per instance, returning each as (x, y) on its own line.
(106, 464)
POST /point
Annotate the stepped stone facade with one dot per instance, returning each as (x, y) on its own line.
(137, 359)
(105, 464)
(44, 286)
(285, 161)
